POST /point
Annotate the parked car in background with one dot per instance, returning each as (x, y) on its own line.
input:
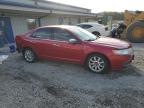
(95, 28)
(73, 44)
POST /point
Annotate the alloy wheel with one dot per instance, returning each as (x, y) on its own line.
(29, 55)
(96, 64)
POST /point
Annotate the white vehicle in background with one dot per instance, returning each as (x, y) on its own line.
(95, 28)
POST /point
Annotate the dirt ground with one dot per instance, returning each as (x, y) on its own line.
(47, 84)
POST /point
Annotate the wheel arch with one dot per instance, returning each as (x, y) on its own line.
(26, 47)
(29, 48)
(92, 53)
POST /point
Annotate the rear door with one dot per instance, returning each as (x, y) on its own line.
(41, 42)
(63, 49)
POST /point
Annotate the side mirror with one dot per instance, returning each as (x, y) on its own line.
(73, 41)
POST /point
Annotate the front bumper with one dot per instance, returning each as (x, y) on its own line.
(119, 62)
(127, 63)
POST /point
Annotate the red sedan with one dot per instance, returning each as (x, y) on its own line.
(73, 44)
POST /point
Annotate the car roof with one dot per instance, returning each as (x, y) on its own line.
(57, 26)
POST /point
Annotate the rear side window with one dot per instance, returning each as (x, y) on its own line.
(85, 26)
(62, 35)
(44, 33)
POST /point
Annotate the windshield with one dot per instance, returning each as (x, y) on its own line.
(83, 34)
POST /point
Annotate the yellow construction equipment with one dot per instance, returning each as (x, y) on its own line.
(134, 21)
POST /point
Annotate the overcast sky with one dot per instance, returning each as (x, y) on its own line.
(106, 5)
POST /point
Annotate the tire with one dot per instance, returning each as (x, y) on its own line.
(29, 55)
(96, 33)
(130, 34)
(97, 63)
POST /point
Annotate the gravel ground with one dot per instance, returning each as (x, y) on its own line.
(49, 84)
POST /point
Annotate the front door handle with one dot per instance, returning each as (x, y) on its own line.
(56, 44)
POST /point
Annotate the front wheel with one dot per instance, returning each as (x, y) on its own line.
(98, 63)
(29, 55)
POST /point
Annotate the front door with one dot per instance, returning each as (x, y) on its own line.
(62, 49)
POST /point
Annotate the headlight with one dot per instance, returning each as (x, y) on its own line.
(128, 51)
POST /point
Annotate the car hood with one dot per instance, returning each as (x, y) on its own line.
(111, 42)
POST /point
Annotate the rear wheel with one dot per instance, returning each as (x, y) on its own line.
(98, 63)
(135, 32)
(29, 55)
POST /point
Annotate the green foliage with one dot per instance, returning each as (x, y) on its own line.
(115, 15)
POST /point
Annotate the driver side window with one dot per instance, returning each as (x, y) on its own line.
(62, 35)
